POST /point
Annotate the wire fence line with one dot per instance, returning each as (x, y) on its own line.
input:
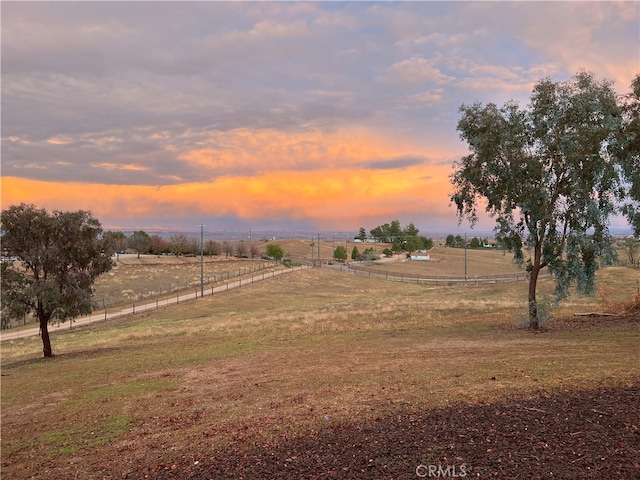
(431, 279)
(165, 300)
(156, 304)
(109, 301)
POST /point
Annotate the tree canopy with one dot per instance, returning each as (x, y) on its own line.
(627, 148)
(275, 251)
(140, 241)
(546, 176)
(340, 253)
(61, 255)
(402, 238)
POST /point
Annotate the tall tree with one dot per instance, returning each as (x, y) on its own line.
(61, 254)
(627, 149)
(140, 242)
(546, 177)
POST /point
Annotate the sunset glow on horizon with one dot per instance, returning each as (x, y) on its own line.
(327, 116)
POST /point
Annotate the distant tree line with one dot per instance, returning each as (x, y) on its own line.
(178, 244)
(405, 239)
(458, 241)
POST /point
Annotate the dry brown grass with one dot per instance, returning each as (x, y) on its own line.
(150, 276)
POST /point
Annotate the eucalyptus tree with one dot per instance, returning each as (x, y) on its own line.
(545, 174)
(61, 255)
(627, 148)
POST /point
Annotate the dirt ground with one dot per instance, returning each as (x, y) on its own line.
(568, 435)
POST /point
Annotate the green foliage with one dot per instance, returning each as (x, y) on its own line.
(362, 234)
(450, 241)
(275, 251)
(387, 252)
(368, 255)
(61, 254)
(626, 148)
(340, 253)
(475, 243)
(354, 253)
(546, 177)
(402, 239)
(388, 232)
(632, 249)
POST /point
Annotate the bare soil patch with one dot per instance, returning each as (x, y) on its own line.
(592, 434)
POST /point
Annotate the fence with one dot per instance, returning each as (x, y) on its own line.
(155, 304)
(432, 279)
(208, 279)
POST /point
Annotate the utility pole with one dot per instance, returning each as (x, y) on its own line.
(465, 255)
(201, 260)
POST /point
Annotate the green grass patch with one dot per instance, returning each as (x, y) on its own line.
(81, 436)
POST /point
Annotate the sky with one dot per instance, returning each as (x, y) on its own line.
(326, 116)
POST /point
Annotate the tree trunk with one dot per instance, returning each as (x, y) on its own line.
(534, 321)
(46, 342)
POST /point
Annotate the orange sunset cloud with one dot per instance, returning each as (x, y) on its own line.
(332, 196)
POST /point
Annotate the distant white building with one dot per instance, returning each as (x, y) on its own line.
(421, 258)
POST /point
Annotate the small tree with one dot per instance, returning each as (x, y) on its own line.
(227, 248)
(178, 244)
(275, 251)
(354, 253)
(212, 248)
(140, 242)
(362, 234)
(158, 244)
(117, 239)
(546, 178)
(242, 249)
(427, 243)
(340, 253)
(631, 248)
(61, 254)
(450, 241)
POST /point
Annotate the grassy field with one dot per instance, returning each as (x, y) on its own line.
(288, 355)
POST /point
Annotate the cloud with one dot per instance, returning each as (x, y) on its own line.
(329, 195)
(290, 110)
(415, 71)
(271, 28)
(395, 163)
